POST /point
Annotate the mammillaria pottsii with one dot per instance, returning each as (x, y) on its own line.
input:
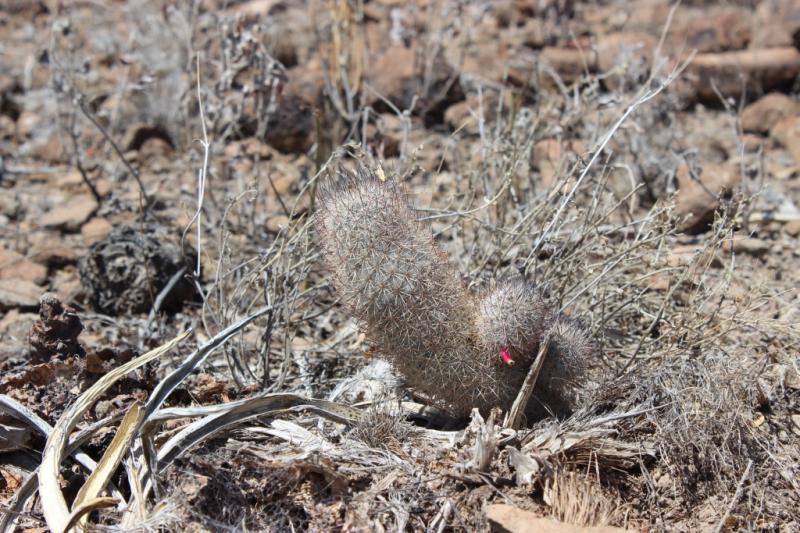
(462, 349)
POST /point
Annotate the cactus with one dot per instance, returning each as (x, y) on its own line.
(462, 349)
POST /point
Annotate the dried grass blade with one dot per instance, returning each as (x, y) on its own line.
(136, 512)
(54, 505)
(168, 384)
(14, 507)
(80, 512)
(269, 404)
(120, 444)
(19, 411)
(28, 487)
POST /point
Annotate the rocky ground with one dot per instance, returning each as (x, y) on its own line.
(640, 161)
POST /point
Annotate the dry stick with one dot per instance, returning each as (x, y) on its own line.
(133, 171)
(162, 295)
(735, 499)
(201, 176)
(201, 186)
(78, 163)
(514, 416)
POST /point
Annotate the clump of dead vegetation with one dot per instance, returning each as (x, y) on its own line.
(685, 424)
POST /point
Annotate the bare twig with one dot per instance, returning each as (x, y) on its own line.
(514, 417)
(145, 199)
(739, 490)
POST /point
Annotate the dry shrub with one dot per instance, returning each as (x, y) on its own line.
(228, 490)
(705, 431)
(578, 499)
(383, 427)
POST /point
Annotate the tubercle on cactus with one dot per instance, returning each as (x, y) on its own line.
(464, 349)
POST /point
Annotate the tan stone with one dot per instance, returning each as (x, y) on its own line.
(284, 182)
(699, 196)
(510, 519)
(747, 245)
(792, 228)
(547, 157)
(774, 23)
(276, 223)
(751, 142)
(787, 132)
(625, 49)
(306, 81)
(103, 187)
(711, 29)
(17, 325)
(71, 214)
(731, 73)
(17, 293)
(394, 74)
(464, 116)
(53, 252)
(764, 113)
(67, 283)
(403, 74)
(26, 123)
(569, 63)
(14, 265)
(95, 230)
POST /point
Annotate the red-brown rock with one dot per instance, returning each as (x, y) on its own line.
(787, 132)
(95, 230)
(625, 50)
(699, 194)
(569, 63)
(14, 265)
(764, 113)
(403, 73)
(730, 74)
(71, 214)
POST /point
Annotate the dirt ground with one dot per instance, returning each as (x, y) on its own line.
(638, 161)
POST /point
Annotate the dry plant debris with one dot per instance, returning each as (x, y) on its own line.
(193, 366)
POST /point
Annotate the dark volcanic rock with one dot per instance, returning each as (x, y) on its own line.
(124, 272)
(56, 332)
